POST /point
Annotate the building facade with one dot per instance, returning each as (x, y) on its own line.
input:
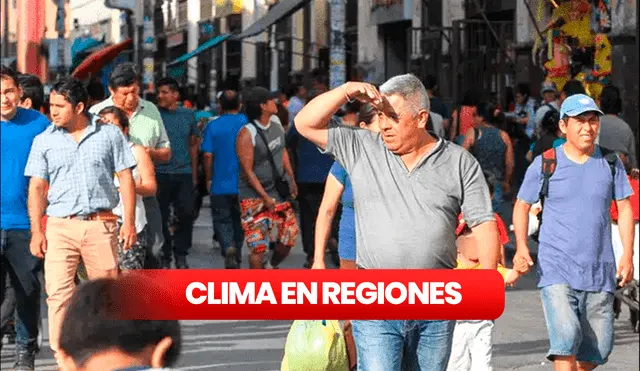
(492, 45)
(30, 35)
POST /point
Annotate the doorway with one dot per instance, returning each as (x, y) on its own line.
(396, 50)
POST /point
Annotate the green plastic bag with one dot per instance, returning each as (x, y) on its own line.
(315, 346)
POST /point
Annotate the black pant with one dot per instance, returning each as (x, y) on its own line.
(521, 164)
(22, 268)
(309, 199)
(176, 190)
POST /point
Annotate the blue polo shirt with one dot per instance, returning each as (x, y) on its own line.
(17, 137)
(219, 139)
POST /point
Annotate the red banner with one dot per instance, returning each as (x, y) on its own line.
(311, 294)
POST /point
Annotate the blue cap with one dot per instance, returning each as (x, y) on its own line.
(578, 104)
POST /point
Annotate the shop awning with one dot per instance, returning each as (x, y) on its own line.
(279, 11)
(202, 48)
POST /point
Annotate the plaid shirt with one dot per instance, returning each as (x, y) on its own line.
(80, 175)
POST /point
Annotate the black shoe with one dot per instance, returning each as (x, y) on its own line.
(10, 333)
(231, 260)
(25, 361)
(181, 262)
(165, 263)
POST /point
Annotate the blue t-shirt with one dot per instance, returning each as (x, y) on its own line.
(219, 139)
(202, 114)
(341, 175)
(575, 237)
(312, 165)
(180, 125)
(17, 137)
(347, 231)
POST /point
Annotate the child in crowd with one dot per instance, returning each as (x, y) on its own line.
(472, 349)
(94, 337)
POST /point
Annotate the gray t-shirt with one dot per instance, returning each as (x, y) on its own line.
(261, 165)
(616, 135)
(408, 219)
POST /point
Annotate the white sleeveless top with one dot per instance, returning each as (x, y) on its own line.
(141, 216)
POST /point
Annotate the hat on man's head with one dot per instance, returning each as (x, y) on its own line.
(259, 95)
(547, 87)
(578, 104)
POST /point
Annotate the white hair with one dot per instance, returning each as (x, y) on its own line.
(411, 89)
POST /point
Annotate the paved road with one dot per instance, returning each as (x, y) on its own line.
(520, 339)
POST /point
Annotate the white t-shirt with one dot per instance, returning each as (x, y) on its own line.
(141, 216)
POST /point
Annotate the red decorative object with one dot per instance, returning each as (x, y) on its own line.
(99, 59)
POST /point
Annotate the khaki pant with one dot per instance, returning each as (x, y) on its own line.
(67, 241)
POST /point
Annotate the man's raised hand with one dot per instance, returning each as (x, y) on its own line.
(368, 93)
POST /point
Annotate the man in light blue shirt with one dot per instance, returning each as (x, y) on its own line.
(76, 159)
(576, 264)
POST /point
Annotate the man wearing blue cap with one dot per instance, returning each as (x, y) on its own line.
(576, 264)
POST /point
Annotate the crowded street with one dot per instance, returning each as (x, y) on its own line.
(520, 339)
(203, 185)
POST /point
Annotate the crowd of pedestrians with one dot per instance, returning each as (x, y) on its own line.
(372, 176)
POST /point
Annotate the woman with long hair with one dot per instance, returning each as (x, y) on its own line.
(492, 147)
(338, 190)
(145, 181)
(462, 116)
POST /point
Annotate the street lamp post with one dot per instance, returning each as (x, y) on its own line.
(5, 41)
(61, 28)
(337, 69)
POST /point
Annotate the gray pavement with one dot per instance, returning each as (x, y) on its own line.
(520, 338)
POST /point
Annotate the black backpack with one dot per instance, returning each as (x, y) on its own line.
(549, 163)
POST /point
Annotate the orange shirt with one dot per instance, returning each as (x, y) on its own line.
(502, 229)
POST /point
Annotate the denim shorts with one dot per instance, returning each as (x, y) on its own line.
(403, 345)
(580, 323)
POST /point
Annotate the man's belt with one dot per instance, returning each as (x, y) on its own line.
(107, 215)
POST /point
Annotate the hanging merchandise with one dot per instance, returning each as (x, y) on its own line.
(576, 45)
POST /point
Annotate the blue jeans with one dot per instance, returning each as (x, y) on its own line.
(579, 323)
(225, 212)
(403, 345)
(22, 268)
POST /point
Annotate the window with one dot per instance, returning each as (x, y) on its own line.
(182, 13)
(206, 9)
(234, 48)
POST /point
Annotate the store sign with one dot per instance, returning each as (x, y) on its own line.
(388, 11)
(225, 8)
(175, 39)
